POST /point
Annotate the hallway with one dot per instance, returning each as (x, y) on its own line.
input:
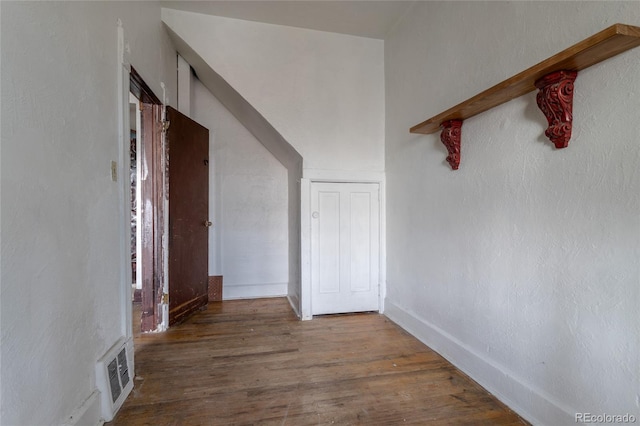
(254, 362)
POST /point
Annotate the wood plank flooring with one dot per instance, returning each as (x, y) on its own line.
(252, 362)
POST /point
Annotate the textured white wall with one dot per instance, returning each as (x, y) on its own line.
(522, 267)
(248, 197)
(60, 270)
(323, 92)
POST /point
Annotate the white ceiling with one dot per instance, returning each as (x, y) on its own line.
(361, 18)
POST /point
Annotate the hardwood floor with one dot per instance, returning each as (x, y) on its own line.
(252, 362)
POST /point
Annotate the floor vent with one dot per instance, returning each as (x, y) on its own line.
(113, 377)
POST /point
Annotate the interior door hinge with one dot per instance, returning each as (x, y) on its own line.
(165, 125)
(165, 299)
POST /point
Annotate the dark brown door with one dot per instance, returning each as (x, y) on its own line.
(188, 165)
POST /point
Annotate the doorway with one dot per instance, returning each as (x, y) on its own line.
(134, 148)
(345, 247)
(170, 213)
(148, 211)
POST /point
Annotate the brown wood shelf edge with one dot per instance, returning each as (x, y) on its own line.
(609, 42)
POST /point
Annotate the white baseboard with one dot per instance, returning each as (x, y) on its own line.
(88, 413)
(254, 291)
(529, 403)
(294, 302)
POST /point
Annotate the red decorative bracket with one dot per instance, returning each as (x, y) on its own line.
(450, 137)
(555, 99)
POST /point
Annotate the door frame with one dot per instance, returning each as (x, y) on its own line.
(124, 189)
(314, 176)
(152, 223)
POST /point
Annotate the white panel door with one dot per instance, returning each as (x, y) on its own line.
(345, 247)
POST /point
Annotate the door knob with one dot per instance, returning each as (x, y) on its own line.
(208, 223)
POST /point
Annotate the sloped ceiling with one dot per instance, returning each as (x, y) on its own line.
(372, 19)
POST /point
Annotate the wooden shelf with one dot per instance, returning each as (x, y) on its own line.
(607, 43)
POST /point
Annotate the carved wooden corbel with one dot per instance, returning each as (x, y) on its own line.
(450, 137)
(555, 99)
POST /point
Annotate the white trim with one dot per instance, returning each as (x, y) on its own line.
(540, 408)
(88, 413)
(317, 175)
(124, 186)
(254, 291)
(305, 249)
(294, 305)
(383, 243)
(124, 189)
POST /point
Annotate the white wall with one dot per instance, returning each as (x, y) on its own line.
(522, 267)
(320, 93)
(61, 306)
(323, 92)
(248, 205)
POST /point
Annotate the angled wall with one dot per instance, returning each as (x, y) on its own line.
(271, 139)
(315, 100)
(323, 92)
(248, 205)
(522, 267)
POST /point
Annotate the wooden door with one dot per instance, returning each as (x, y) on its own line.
(188, 174)
(345, 247)
(151, 214)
